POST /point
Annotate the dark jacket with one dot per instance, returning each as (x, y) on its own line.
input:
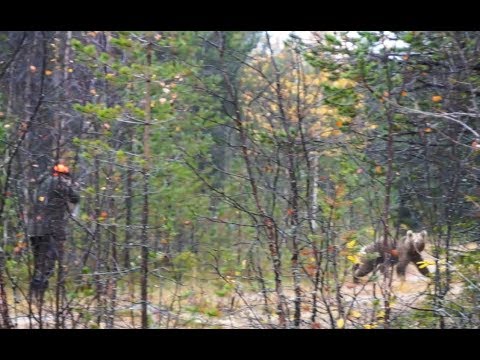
(50, 210)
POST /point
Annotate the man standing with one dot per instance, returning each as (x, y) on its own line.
(46, 227)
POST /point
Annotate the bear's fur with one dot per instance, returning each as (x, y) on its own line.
(373, 259)
(407, 251)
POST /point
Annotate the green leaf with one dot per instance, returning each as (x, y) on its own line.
(90, 50)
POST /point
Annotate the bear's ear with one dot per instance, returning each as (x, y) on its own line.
(409, 234)
(424, 234)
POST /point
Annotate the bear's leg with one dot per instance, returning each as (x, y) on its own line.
(384, 269)
(363, 269)
(416, 259)
(401, 269)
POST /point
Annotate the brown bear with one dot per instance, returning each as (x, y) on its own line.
(409, 251)
(373, 256)
(373, 259)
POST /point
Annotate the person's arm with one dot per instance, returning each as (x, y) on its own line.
(68, 193)
(73, 197)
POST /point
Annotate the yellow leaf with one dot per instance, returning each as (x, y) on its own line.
(370, 326)
(48, 72)
(381, 314)
(378, 169)
(427, 130)
(339, 123)
(343, 83)
(404, 93)
(356, 314)
(325, 110)
(436, 98)
(41, 198)
(340, 323)
(354, 259)
(424, 264)
(351, 244)
(70, 70)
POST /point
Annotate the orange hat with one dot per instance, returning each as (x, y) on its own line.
(60, 168)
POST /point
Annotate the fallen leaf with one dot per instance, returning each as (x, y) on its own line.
(340, 323)
(356, 314)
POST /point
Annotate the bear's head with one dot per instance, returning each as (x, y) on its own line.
(416, 241)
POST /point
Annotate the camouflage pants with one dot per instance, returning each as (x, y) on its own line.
(47, 250)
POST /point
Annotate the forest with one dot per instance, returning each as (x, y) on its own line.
(240, 179)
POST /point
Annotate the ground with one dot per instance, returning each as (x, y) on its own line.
(194, 306)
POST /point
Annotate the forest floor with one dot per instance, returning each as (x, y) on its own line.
(201, 305)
